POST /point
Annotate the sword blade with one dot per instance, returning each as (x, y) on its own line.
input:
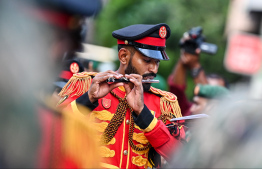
(197, 116)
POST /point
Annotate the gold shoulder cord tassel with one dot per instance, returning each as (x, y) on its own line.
(79, 84)
(168, 103)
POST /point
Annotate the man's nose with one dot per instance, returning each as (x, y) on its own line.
(153, 67)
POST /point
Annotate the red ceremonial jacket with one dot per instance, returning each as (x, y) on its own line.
(118, 153)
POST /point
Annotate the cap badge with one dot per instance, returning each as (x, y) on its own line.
(106, 103)
(162, 32)
(74, 68)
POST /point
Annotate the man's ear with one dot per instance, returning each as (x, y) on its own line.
(123, 55)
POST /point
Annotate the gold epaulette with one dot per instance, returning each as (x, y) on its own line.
(78, 84)
(168, 102)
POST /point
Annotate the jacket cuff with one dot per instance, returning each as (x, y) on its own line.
(159, 136)
(144, 119)
(151, 125)
(84, 100)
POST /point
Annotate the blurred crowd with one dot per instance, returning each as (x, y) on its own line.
(42, 46)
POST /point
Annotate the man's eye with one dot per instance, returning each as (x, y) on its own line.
(147, 61)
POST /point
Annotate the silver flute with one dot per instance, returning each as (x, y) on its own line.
(124, 79)
(150, 81)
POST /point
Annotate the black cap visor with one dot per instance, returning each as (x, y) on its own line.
(155, 54)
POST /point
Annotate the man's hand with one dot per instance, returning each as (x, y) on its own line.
(191, 61)
(134, 96)
(100, 88)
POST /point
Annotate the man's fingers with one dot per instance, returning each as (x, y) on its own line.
(127, 88)
(101, 77)
(135, 78)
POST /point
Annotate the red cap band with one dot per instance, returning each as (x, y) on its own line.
(148, 41)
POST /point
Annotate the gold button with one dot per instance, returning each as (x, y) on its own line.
(125, 152)
(127, 122)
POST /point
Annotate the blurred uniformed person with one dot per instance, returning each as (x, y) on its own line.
(63, 132)
(206, 97)
(131, 116)
(36, 36)
(230, 138)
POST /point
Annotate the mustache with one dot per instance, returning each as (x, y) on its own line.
(149, 74)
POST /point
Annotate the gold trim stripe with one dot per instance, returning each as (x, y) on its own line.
(123, 139)
(152, 112)
(128, 156)
(129, 149)
(151, 125)
(137, 127)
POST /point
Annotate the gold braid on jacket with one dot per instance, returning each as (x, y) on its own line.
(116, 120)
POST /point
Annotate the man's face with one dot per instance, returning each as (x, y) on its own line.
(216, 81)
(144, 66)
(199, 105)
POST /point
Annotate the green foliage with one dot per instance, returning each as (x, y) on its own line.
(118, 14)
(180, 16)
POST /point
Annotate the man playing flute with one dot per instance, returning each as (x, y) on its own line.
(131, 116)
